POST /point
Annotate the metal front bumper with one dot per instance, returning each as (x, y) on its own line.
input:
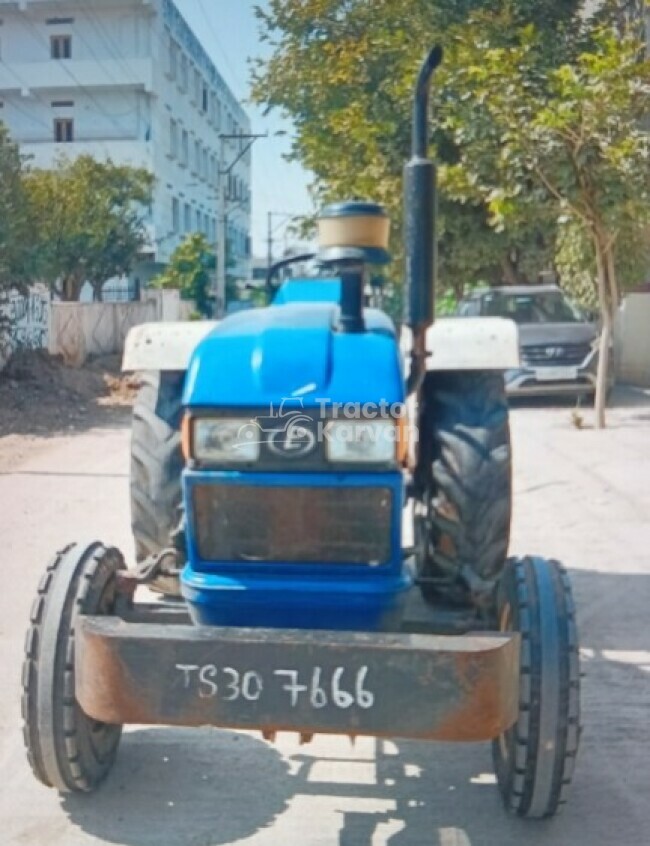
(457, 688)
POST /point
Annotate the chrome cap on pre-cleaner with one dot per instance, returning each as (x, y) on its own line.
(354, 230)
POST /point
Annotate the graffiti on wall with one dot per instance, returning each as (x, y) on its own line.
(24, 321)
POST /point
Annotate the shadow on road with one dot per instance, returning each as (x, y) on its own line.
(187, 787)
(206, 787)
(622, 397)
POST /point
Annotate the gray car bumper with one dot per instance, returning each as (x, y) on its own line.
(553, 380)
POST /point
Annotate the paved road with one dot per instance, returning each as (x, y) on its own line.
(582, 496)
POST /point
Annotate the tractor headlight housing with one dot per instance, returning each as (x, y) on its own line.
(219, 440)
(361, 441)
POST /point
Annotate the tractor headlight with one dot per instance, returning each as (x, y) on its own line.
(215, 440)
(361, 441)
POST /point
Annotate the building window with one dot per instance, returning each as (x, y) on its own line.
(206, 164)
(197, 157)
(173, 138)
(176, 215)
(184, 72)
(197, 87)
(185, 148)
(199, 221)
(205, 101)
(61, 46)
(172, 69)
(63, 130)
(188, 217)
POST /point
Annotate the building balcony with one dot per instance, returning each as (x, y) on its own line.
(44, 154)
(70, 73)
(23, 5)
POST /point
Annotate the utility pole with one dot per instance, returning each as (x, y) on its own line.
(222, 238)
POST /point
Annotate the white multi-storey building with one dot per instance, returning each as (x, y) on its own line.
(128, 80)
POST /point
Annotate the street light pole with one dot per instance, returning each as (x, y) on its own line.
(220, 292)
(222, 239)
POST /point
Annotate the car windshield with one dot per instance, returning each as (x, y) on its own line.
(541, 307)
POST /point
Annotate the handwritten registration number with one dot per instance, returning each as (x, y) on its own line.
(340, 687)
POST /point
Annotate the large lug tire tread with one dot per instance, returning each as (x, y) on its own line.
(534, 761)
(66, 749)
(467, 451)
(156, 462)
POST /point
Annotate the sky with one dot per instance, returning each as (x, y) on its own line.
(228, 29)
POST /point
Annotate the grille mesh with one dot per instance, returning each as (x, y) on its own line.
(246, 523)
(562, 354)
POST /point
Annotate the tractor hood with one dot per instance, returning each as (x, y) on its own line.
(262, 356)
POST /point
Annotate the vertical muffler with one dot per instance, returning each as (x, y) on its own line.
(420, 224)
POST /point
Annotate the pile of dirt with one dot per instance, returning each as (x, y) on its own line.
(39, 394)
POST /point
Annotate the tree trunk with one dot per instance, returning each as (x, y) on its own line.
(68, 290)
(605, 288)
(71, 289)
(98, 291)
(510, 272)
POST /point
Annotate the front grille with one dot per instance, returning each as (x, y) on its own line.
(552, 355)
(246, 523)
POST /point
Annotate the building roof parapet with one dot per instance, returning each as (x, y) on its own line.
(179, 27)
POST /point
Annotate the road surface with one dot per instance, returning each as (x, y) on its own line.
(581, 496)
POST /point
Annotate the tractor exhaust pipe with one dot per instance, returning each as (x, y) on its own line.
(420, 224)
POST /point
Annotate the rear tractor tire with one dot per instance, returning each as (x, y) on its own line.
(465, 487)
(534, 760)
(67, 749)
(156, 467)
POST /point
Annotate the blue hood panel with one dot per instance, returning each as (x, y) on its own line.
(261, 356)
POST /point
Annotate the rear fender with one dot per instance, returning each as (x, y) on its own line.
(164, 346)
(469, 343)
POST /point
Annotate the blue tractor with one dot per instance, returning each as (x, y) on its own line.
(325, 508)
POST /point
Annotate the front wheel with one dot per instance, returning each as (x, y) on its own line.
(534, 760)
(156, 467)
(67, 749)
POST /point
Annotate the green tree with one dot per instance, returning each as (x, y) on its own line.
(89, 221)
(17, 256)
(344, 72)
(570, 140)
(189, 271)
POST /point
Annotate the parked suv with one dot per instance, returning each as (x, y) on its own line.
(558, 342)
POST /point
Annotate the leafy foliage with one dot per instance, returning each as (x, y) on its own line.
(570, 140)
(17, 256)
(88, 218)
(329, 72)
(189, 272)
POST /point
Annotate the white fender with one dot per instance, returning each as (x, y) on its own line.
(469, 343)
(164, 346)
(465, 343)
